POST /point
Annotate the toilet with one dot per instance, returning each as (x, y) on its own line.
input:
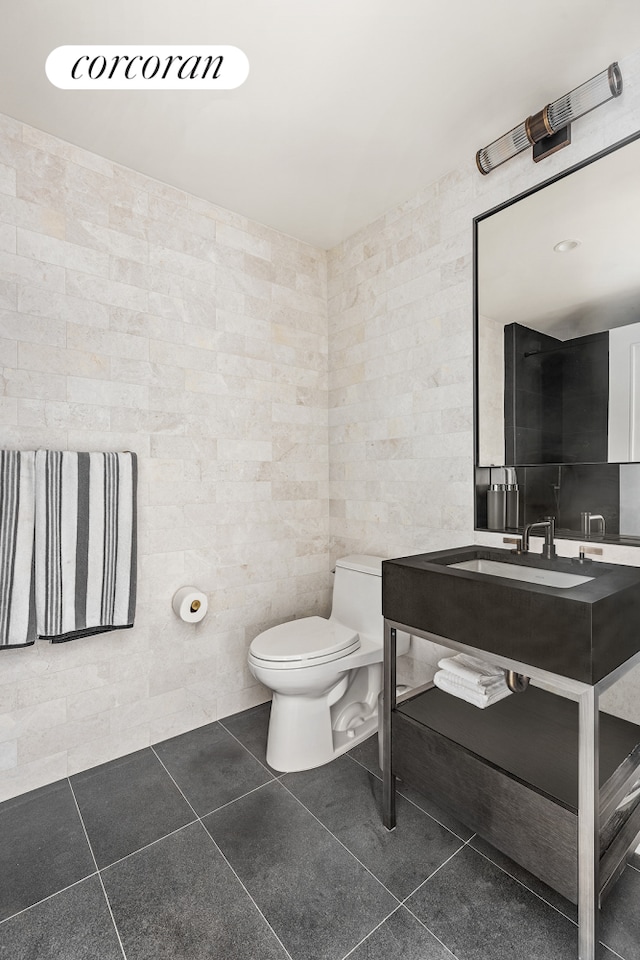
(326, 675)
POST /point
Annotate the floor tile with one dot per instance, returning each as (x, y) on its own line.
(178, 899)
(366, 753)
(317, 898)
(43, 847)
(347, 799)
(528, 879)
(620, 923)
(251, 728)
(482, 914)
(128, 803)
(73, 925)
(401, 936)
(211, 767)
(620, 916)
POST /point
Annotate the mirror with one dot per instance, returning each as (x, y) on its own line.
(558, 353)
(558, 319)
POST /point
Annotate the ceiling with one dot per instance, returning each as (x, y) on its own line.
(350, 107)
(595, 286)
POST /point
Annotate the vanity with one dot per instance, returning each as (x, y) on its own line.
(542, 775)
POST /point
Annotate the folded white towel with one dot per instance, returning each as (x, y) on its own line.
(499, 683)
(17, 583)
(480, 673)
(476, 698)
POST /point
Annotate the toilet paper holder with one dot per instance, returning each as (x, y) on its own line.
(189, 604)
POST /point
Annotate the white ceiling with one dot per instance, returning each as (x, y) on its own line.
(351, 106)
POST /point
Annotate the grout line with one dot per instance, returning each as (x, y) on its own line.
(245, 890)
(539, 896)
(428, 929)
(225, 859)
(371, 932)
(182, 794)
(93, 856)
(147, 845)
(50, 897)
(466, 843)
(614, 952)
(257, 759)
(431, 875)
(338, 840)
(277, 780)
(408, 799)
(241, 797)
(526, 887)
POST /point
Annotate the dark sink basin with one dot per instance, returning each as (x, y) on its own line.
(583, 625)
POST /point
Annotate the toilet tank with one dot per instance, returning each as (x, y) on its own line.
(357, 594)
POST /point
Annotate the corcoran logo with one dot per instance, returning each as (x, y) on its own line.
(112, 67)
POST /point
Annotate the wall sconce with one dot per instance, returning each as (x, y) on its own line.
(550, 129)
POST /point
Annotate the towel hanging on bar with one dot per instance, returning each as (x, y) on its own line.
(85, 543)
(17, 581)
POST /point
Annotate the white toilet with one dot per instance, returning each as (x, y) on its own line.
(326, 675)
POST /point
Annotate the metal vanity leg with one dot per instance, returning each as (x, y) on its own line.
(588, 826)
(388, 704)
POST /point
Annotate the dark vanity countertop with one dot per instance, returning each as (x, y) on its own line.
(583, 632)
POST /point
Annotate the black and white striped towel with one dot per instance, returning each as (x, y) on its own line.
(17, 581)
(85, 543)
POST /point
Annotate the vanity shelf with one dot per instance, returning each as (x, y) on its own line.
(510, 773)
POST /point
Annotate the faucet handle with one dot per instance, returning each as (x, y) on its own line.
(515, 540)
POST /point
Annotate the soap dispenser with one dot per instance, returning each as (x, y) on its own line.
(512, 497)
(496, 506)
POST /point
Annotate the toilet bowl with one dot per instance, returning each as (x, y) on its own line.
(326, 675)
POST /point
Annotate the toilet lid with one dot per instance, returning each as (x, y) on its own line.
(305, 639)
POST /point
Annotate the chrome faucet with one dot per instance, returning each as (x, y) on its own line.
(549, 549)
(586, 519)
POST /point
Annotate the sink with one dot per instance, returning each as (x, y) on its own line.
(496, 568)
(577, 620)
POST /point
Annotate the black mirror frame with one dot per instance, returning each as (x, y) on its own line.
(476, 222)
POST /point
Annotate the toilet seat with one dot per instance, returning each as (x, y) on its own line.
(304, 642)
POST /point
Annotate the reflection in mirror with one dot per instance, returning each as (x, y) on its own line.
(559, 320)
(558, 353)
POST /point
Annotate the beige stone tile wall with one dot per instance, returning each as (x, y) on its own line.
(401, 351)
(134, 316)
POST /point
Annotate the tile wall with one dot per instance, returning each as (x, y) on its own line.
(401, 351)
(134, 316)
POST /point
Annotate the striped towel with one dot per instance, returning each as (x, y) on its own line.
(17, 581)
(85, 543)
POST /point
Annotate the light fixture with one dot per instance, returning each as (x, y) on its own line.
(565, 246)
(550, 129)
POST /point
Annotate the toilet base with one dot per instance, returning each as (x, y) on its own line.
(307, 732)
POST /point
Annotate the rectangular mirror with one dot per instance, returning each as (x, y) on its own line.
(557, 301)
(558, 314)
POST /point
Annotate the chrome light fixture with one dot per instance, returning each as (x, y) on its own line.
(550, 129)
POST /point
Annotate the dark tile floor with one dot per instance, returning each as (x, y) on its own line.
(195, 850)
